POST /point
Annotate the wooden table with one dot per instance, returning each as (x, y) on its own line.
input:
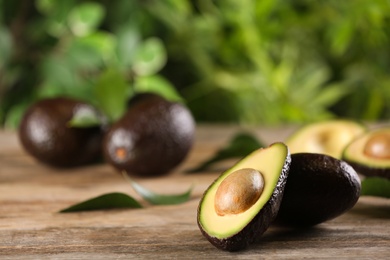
(32, 194)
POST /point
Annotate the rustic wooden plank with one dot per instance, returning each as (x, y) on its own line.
(31, 195)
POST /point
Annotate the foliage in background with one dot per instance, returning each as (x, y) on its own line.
(267, 62)
(65, 48)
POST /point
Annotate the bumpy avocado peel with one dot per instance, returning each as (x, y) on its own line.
(319, 188)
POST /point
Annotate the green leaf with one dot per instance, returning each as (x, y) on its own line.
(113, 200)
(159, 85)
(85, 18)
(376, 186)
(15, 114)
(159, 199)
(84, 118)
(5, 46)
(128, 41)
(111, 92)
(102, 42)
(150, 58)
(45, 6)
(239, 146)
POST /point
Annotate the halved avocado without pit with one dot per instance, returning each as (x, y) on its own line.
(369, 154)
(241, 203)
(325, 137)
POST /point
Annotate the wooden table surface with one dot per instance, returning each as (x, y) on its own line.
(31, 195)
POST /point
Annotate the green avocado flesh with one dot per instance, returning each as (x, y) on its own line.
(327, 137)
(235, 231)
(369, 154)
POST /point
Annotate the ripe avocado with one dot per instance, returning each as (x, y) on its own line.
(45, 134)
(238, 226)
(369, 154)
(326, 137)
(152, 138)
(319, 188)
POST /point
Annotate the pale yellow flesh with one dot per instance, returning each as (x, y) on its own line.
(354, 152)
(270, 163)
(329, 137)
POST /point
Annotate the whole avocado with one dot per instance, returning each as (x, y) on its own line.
(152, 138)
(45, 134)
(319, 188)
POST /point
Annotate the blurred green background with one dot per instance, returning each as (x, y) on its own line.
(262, 62)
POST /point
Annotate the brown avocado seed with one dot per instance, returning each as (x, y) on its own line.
(378, 146)
(238, 192)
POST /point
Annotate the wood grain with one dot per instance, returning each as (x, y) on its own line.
(32, 194)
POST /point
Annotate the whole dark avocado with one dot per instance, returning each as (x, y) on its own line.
(369, 154)
(319, 188)
(153, 137)
(45, 134)
(240, 205)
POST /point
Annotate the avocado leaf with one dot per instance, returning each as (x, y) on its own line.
(159, 199)
(85, 18)
(150, 57)
(84, 119)
(159, 85)
(105, 201)
(376, 186)
(111, 92)
(239, 146)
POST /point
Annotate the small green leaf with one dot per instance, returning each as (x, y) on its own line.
(91, 52)
(15, 114)
(84, 118)
(128, 41)
(111, 92)
(239, 146)
(150, 57)
(376, 186)
(45, 6)
(105, 201)
(159, 85)
(85, 18)
(159, 199)
(5, 46)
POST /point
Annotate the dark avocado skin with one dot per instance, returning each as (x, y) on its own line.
(369, 171)
(155, 135)
(259, 224)
(319, 188)
(44, 134)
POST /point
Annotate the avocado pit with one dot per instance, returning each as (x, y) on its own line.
(238, 192)
(378, 146)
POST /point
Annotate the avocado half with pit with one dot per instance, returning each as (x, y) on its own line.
(319, 188)
(241, 203)
(326, 137)
(369, 154)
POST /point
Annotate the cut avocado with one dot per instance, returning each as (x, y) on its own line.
(235, 229)
(319, 188)
(327, 137)
(369, 154)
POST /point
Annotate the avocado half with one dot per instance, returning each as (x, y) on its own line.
(233, 232)
(326, 137)
(369, 154)
(319, 188)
